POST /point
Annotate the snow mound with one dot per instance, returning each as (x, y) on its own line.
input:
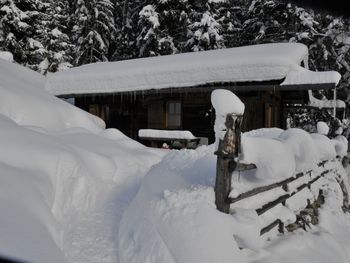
(322, 128)
(254, 150)
(303, 147)
(173, 218)
(341, 145)
(324, 146)
(5, 55)
(56, 162)
(226, 102)
(24, 100)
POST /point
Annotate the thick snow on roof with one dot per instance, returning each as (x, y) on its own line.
(301, 75)
(251, 63)
(325, 103)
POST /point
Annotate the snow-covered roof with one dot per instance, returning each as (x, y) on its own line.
(301, 75)
(325, 103)
(250, 63)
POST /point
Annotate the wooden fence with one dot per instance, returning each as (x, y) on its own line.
(307, 179)
(227, 153)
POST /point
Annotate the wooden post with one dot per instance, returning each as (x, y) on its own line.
(227, 152)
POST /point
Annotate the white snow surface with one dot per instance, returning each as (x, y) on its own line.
(300, 75)
(325, 103)
(226, 102)
(71, 191)
(250, 63)
(172, 134)
(341, 145)
(322, 128)
(56, 167)
(6, 55)
(24, 100)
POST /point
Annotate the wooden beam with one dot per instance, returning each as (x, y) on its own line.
(268, 228)
(235, 87)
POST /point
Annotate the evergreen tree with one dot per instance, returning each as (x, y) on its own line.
(57, 43)
(147, 40)
(19, 22)
(93, 30)
(204, 32)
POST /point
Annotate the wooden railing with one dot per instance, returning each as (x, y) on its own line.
(227, 156)
(282, 198)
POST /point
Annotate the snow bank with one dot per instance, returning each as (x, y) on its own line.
(250, 63)
(27, 226)
(263, 152)
(324, 146)
(5, 55)
(24, 100)
(322, 128)
(56, 162)
(304, 149)
(72, 169)
(341, 145)
(173, 218)
(280, 154)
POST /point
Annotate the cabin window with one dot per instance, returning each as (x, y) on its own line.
(174, 109)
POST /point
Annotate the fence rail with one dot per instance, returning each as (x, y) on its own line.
(283, 198)
(228, 151)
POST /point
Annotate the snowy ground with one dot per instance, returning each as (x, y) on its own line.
(71, 191)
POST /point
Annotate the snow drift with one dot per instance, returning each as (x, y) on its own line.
(56, 162)
(24, 100)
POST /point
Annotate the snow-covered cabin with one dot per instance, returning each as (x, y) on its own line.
(173, 92)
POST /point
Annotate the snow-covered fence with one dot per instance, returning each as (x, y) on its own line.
(285, 168)
(228, 138)
(291, 187)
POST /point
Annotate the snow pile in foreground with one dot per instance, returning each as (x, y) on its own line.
(5, 55)
(56, 163)
(173, 219)
(24, 100)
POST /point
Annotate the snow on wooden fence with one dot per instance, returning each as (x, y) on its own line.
(227, 153)
(291, 187)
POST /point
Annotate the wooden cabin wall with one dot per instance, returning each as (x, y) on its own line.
(129, 113)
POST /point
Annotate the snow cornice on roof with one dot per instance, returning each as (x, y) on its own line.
(255, 63)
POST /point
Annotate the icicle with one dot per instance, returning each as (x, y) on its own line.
(306, 65)
(335, 102)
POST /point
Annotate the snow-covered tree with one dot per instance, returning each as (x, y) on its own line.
(204, 33)
(147, 40)
(93, 30)
(54, 37)
(19, 22)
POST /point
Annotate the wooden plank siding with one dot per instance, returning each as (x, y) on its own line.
(134, 111)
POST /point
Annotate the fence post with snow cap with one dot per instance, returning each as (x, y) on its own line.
(229, 110)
